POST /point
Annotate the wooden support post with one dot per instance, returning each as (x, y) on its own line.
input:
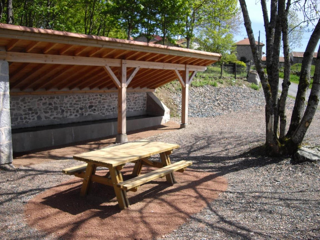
(122, 105)
(185, 99)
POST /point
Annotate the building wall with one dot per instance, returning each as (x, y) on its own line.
(245, 51)
(33, 110)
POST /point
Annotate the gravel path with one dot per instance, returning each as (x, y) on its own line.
(267, 198)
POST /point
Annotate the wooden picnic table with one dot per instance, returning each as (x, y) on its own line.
(115, 157)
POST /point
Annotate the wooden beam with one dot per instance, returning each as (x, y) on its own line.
(65, 49)
(91, 61)
(97, 41)
(12, 44)
(108, 53)
(83, 77)
(179, 78)
(80, 50)
(50, 79)
(132, 76)
(31, 47)
(47, 74)
(38, 71)
(56, 79)
(185, 99)
(92, 82)
(122, 105)
(192, 76)
(22, 93)
(65, 82)
(113, 76)
(49, 48)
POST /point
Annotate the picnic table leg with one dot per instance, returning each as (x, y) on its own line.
(165, 159)
(137, 168)
(116, 177)
(90, 170)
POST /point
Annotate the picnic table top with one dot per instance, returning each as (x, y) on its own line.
(121, 154)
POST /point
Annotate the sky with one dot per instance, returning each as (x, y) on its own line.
(255, 14)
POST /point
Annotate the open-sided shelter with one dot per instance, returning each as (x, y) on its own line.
(55, 85)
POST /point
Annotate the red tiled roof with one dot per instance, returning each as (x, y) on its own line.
(300, 54)
(264, 59)
(247, 42)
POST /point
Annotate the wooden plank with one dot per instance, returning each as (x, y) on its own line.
(122, 105)
(161, 172)
(78, 75)
(12, 44)
(31, 47)
(179, 78)
(124, 153)
(113, 76)
(80, 50)
(49, 47)
(65, 49)
(185, 98)
(103, 42)
(152, 163)
(61, 59)
(66, 82)
(93, 61)
(76, 169)
(132, 75)
(192, 76)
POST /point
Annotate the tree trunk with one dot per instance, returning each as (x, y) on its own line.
(9, 12)
(289, 143)
(286, 80)
(2, 3)
(312, 105)
(304, 81)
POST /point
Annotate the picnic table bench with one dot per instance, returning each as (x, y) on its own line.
(115, 157)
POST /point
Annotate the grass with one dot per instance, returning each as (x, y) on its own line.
(254, 86)
(295, 73)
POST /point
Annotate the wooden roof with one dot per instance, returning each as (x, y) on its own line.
(47, 61)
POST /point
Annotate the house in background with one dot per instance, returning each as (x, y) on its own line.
(244, 52)
(156, 39)
(183, 43)
(281, 61)
(296, 57)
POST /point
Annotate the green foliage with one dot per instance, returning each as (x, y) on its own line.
(254, 86)
(127, 18)
(295, 73)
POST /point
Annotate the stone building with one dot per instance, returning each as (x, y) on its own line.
(244, 52)
(296, 57)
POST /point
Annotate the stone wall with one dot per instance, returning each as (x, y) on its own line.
(5, 124)
(32, 110)
(245, 51)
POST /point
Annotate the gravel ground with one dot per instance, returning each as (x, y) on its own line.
(267, 198)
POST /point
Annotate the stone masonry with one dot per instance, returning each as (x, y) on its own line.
(32, 110)
(5, 121)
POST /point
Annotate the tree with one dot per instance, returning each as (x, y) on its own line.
(9, 12)
(129, 13)
(169, 18)
(278, 141)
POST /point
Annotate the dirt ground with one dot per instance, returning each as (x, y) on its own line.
(232, 190)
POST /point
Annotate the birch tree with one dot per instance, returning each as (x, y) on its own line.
(278, 141)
